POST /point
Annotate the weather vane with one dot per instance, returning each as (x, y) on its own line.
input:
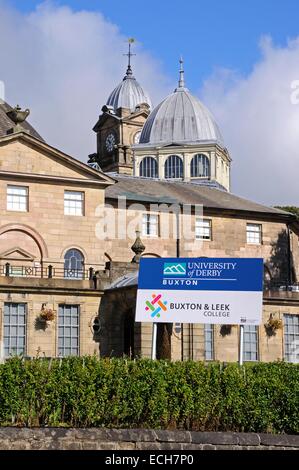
(129, 54)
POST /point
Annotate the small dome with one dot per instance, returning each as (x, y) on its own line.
(128, 94)
(180, 118)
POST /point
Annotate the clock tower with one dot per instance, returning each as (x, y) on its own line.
(120, 124)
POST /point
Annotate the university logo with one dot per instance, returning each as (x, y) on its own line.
(174, 269)
(156, 305)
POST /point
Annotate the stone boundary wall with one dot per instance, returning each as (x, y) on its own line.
(13, 438)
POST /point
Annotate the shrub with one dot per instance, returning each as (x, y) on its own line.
(121, 393)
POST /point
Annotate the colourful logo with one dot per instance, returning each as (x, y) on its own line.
(174, 269)
(156, 305)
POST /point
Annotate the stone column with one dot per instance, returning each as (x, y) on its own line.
(186, 160)
(160, 161)
(136, 165)
(213, 165)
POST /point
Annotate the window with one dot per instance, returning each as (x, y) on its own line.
(68, 330)
(14, 328)
(254, 234)
(73, 203)
(200, 166)
(291, 338)
(203, 229)
(74, 264)
(17, 198)
(149, 167)
(250, 347)
(209, 342)
(150, 225)
(17, 271)
(174, 167)
(137, 137)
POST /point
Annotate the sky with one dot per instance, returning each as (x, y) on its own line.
(63, 58)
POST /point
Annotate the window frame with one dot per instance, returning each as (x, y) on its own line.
(178, 158)
(144, 162)
(59, 325)
(286, 344)
(260, 232)
(148, 224)
(67, 200)
(209, 329)
(249, 351)
(194, 165)
(203, 219)
(26, 196)
(4, 325)
(79, 273)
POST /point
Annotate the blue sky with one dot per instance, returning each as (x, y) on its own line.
(209, 33)
(241, 60)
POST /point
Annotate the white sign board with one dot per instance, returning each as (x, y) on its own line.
(200, 290)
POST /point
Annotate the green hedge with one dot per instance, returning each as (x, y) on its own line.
(120, 393)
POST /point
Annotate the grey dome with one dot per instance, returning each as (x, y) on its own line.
(128, 94)
(181, 117)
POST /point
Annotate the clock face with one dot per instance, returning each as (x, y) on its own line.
(137, 137)
(110, 142)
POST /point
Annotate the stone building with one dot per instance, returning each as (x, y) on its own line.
(68, 275)
(47, 244)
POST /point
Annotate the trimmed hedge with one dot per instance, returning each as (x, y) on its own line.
(119, 393)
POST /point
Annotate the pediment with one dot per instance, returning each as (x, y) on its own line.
(35, 158)
(136, 116)
(103, 118)
(17, 254)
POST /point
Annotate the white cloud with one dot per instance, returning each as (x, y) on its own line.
(260, 124)
(63, 65)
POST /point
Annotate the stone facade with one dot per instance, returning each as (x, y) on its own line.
(40, 237)
(187, 342)
(42, 338)
(44, 229)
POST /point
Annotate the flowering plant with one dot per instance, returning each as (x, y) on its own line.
(273, 324)
(47, 314)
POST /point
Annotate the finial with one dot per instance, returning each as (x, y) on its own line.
(182, 79)
(18, 117)
(138, 248)
(129, 72)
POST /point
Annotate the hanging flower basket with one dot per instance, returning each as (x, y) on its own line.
(272, 325)
(226, 330)
(47, 314)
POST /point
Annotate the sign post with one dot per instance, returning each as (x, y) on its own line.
(241, 346)
(154, 342)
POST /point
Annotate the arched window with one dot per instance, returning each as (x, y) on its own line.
(200, 166)
(74, 264)
(174, 167)
(149, 167)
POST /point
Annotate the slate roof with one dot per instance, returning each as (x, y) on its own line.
(6, 123)
(175, 192)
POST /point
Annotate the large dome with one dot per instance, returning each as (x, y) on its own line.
(128, 94)
(180, 118)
